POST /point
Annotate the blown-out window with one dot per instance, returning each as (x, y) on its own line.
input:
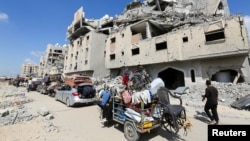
(215, 35)
(112, 56)
(135, 51)
(161, 46)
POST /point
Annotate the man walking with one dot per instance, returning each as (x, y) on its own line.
(211, 93)
(46, 79)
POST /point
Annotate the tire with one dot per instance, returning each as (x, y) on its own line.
(170, 124)
(53, 94)
(56, 98)
(130, 132)
(68, 102)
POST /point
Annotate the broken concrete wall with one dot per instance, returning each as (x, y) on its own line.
(86, 55)
(225, 37)
(188, 44)
(237, 64)
(53, 61)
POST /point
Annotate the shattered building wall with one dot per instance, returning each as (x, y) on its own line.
(182, 47)
(53, 61)
(86, 50)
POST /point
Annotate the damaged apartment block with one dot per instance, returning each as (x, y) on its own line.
(184, 42)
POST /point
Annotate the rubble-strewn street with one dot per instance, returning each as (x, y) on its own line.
(33, 116)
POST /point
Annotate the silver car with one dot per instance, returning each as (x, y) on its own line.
(84, 93)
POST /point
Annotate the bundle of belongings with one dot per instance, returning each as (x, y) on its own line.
(140, 100)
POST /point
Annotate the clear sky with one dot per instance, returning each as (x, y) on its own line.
(28, 26)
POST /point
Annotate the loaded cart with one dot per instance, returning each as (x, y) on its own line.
(135, 122)
(147, 110)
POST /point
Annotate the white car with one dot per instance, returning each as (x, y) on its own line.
(84, 93)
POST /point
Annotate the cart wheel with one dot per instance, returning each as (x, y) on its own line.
(170, 124)
(56, 99)
(130, 132)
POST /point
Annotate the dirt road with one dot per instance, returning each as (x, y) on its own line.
(82, 124)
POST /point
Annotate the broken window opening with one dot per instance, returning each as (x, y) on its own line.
(104, 54)
(214, 36)
(192, 75)
(135, 51)
(161, 46)
(86, 62)
(112, 56)
(185, 39)
(139, 30)
(75, 68)
(58, 51)
(122, 53)
(106, 32)
(30, 70)
(156, 31)
(112, 40)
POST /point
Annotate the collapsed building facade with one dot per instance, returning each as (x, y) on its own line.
(183, 42)
(53, 61)
(86, 48)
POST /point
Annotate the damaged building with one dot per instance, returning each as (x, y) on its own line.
(86, 49)
(29, 70)
(181, 41)
(53, 61)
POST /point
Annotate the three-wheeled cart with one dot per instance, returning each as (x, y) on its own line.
(145, 110)
(135, 123)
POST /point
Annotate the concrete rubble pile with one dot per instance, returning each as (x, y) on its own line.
(14, 110)
(228, 93)
(167, 15)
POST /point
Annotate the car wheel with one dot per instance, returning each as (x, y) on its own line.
(56, 98)
(68, 102)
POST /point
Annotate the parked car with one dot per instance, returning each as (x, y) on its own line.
(52, 88)
(242, 103)
(84, 93)
(35, 82)
(42, 88)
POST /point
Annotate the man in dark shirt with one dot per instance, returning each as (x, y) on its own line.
(46, 79)
(211, 93)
